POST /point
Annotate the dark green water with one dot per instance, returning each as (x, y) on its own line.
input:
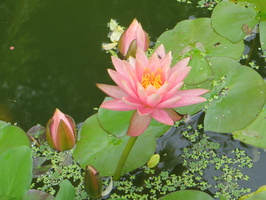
(57, 56)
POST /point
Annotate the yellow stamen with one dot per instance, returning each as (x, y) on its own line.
(152, 78)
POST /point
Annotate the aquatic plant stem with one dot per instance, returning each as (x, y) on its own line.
(123, 158)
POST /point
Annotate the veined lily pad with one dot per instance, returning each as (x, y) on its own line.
(197, 38)
(234, 21)
(240, 96)
(255, 133)
(187, 195)
(102, 150)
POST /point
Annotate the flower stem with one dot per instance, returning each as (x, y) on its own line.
(123, 158)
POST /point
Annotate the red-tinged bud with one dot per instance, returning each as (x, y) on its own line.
(61, 131)
(93, 182)
(133, 38)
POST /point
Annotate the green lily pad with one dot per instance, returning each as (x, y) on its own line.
(255, 133)
(102, 150)
(234, 21)
(12, 136)
(187, 195)
(260, 5)
(117, 122)
(15, 171)
(197, 38)
(259, 196)
(263, 36)
(240, 96)
(66, 191)
(2, 124)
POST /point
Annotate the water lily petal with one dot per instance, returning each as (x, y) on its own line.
(143, 40)
(145, 110)
(162, 90)
(132, 102)
(117, 105)
(173, 114)
(116, 77)
(128, 88)
(112, 91)
(139, 67)
(166, 61)
(173, 91)
(138, 124)
(192, 92)
(188, 100)
(162, 116)
(119, 66)
(169, 103)
(140, 55)
(160, 51)
(132, 61)
(153, 100)
(178, 76)
(182, 64)
(151, 90)
(154, 62)
(142, 94)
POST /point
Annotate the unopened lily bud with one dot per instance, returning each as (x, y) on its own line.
(61, 131)
(93, 182)
(133, 38)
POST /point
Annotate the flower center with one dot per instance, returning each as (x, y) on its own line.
(152, 78)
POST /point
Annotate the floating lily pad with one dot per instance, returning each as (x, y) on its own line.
(260, 5)
(102, 150)
(12, 136)
(187, 195)
(66, 191)
(15, 171)
(240, 96)
(197, 38)
(263, 36)
(117, 122)
(255, 133)
(234, 21)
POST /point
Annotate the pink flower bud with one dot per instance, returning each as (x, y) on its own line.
(61, 131)
(133, 38)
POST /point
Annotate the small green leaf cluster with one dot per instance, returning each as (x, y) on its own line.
(153, 186)
(202, 157)
(199, 159)
(63, 166)
(209, 4)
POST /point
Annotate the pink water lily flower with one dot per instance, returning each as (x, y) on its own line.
(151, 87)
(133, 38)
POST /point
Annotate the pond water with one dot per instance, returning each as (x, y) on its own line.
(51, 57)
(57, 56)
